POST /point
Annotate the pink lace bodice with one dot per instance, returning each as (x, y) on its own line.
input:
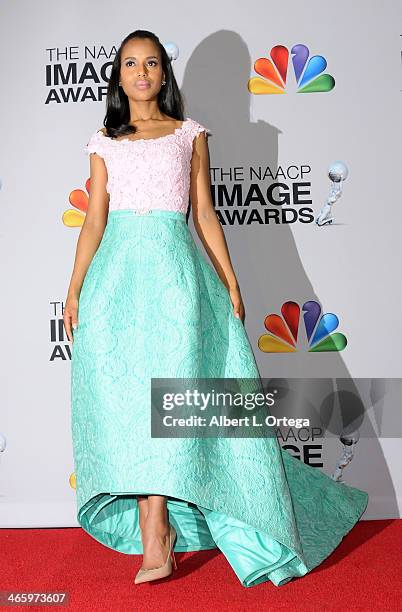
(148, 173)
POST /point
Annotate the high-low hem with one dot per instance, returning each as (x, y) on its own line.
(255, 555)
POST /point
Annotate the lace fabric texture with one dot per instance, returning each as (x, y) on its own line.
(151, 173)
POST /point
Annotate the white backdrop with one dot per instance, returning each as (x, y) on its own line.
(351, 268)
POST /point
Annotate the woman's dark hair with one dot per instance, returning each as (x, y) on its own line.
(169, 99)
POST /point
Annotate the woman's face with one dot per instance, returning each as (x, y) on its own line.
(141, 72)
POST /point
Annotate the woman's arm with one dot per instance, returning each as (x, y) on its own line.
(89, 238)
(207, 224)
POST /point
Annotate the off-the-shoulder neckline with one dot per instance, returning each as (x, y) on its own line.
(174, 133)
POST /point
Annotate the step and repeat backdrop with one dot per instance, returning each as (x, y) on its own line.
(303, 109)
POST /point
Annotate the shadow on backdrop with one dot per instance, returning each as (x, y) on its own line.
(265, 257)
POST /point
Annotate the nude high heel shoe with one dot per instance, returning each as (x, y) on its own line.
(145, 575)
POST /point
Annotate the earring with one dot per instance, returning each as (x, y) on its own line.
(163, 82)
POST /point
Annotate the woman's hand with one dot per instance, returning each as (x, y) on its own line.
(70, 316)
(238, 306)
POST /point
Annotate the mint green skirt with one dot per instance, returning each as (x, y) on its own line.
(151, 305)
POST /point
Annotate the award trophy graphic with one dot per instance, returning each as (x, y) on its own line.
(349, 441)
(337, 173)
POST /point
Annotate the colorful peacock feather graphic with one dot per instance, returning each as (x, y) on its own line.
(283, 330)
(79, 199)
(308, 72)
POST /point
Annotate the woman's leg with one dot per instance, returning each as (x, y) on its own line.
(155, 531)
(142, 509)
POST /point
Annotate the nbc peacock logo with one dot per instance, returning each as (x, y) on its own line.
(283, 330)
(274, 72)
(74, 217)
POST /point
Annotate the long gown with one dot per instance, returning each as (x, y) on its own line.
(151, 305)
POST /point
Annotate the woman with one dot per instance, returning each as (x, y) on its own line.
(144, 303)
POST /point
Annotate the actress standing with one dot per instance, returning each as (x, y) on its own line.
(143, 302)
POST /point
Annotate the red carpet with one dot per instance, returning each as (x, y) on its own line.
(363, 573)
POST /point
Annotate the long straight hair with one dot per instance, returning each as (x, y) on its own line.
(169, 98)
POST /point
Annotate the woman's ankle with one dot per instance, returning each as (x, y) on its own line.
(156, 524)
